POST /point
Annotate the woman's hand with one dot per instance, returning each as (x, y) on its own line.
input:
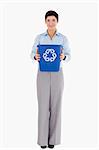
(37, 56)
(62, 56)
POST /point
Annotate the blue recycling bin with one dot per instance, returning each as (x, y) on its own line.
(50, 57)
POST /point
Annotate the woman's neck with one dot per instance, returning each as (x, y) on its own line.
(51, 32)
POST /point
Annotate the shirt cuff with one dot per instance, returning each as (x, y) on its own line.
(34, 57)
(67, 58)
(64, 57)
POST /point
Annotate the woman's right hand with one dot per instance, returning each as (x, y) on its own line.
(37, 56)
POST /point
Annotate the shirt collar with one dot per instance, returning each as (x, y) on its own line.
(46, 33)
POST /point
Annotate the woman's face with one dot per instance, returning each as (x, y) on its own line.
(51, 22)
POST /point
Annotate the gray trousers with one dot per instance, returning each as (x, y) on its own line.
(50, 87)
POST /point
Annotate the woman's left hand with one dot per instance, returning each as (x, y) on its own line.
(62, 56)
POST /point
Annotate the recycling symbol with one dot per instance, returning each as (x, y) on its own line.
(53, 55)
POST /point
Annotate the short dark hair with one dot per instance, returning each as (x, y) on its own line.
(51, 13)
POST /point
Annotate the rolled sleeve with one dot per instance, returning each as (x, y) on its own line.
(66, 49)
(34, 47)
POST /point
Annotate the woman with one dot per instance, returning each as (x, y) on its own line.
(50, 85)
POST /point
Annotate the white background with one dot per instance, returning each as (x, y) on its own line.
(21, 22)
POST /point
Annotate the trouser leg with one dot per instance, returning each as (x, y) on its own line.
(43, 95)
(57, 85)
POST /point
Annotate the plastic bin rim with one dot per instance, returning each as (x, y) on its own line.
(49, 45)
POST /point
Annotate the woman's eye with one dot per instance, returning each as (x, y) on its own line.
(53, 20)
(48, 20)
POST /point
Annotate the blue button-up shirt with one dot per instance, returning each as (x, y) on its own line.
(57, 39)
